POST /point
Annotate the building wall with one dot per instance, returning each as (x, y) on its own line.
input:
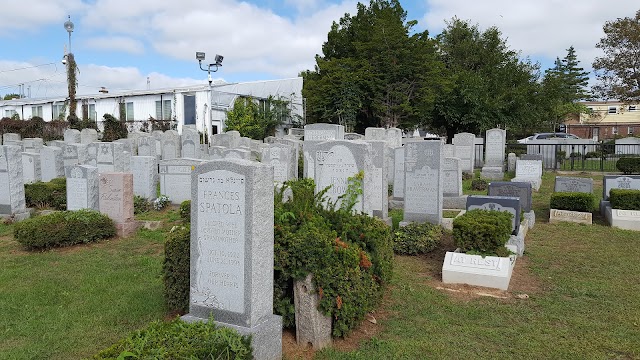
(608, 121)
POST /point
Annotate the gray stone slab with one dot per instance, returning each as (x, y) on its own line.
(12, 201)
(88, 136)
(109, 156)
(283, 160)
(619, 182)
(511, 162)
(398, 174)
(72, 136)
(82, 187)
(145, 176)
(175, 178)
(75, 154)
(353, 136)
(313, 134)
(190, 143)
(379, 178)
(495, 147)
(51, 163)
(464, 144)
(171, 145)
(423, 181)
(451, 177)
(31, 171)
(521, 190)
(33, 145)
(573, 184)
(373, 133)
(497, 203)
(147, 146)
(394, 137)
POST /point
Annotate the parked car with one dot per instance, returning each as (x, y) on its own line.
(545, 136)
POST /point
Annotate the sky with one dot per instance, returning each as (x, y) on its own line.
(139, 44)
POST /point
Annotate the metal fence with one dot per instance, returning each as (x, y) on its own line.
(591, 156)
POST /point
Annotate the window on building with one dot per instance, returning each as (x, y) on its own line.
(58, 111)
(163, 110)
(9, 113)
(129, 111)
(613, 110)
(630, 130)
(614, 130)
(36, 111)
(93, 115)
(632, 108)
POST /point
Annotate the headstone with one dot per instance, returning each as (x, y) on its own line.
(12, 200)
(116, 201)
(337, 161)
(33, 145)
(88, 136)
(216, 152)
(494, 157)
(479, 150)
(147, 146)
(158, 135)
(204, 151)
(237, 153)
(538, 157)
(379, 179)
(312, 326)
(31, 171)
(283, 160)
(573, 184)
(72, 136)
(314, 134)
(619, 182)
(175, 177)
(465, 150)
(394, 137)
(423, 181)
(297, 146)
(229, 139)
(497, 203)
(448, 151)
(190, 143)
(110, 157)
(511, 162)
(126, 162)
(270, 139)
(75, 154)
(128, 145)
(521, 190)
(398, 177)
(244, 142)
(372, 133)
(82, 187)
(11, 138)
(529, 171)
(51, 163)
(145, 176)
(353, 136)
(170, 145)
(232, 251)
(451, 177)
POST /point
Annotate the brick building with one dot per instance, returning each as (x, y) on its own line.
(608, 120)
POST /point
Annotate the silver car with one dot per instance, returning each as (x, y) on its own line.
(546, 136)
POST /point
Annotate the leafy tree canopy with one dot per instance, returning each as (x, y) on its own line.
(256, 119)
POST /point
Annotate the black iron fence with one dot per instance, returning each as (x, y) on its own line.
(590, 156)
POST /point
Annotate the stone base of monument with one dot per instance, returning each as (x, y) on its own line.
(489, 271)
(603, 206)
(15, 217)
(454, 202)
(535, 182)
(150, 224)
(396, 203)
(266, 337)
(492, 172)
(531, 218)
(312, 327)
(623, 219)
(556, 215)
(447, 223)
(126, 229)
(517, 240)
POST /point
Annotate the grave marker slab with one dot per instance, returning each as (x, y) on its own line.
(31, 171)
(282, 158)
(190, 143)
(82, 187)
(170, 145)
(619, 182)
(451, 177)
(313, 134)
(109, 157)
(573, 184)
(32, 145)
(12, 201)
(88, 136)
(51, 163)
(497, 203)
(145, 176)
(175, 177)
(521, 190)
(398, 176)
(529, 171)
(75, 154)
(72, 136)
(464, 144)
(116, 201)
(423, 181)
(494, 157)
(379, 179)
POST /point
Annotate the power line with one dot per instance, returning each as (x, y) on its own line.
(29, 67)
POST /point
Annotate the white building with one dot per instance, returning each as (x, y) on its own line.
(182, 106)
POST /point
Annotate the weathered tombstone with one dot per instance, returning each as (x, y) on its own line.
(337, 161)
(72, 136)
(175, 177)
(33, 145)
(619, 182)
(82, 187)
(423, 181)
(529, 171)
(170, 145)
(497, 203)
(314, 134)
(297, 146)
(126, 162)
(479, 152)
(56, 143)
(116, 201)
(494, 157)
(372, 133)
(398, 177)
(51, 163)
(147, 146)
(379, 179)
(110, 157)
(158, 135)
(465, 150)
(521, 190)
(190, 143)
(11, 139)
(312, 327)
(204, 151)
(145, 176)
(394, 137)
(448, 151)
(573, 184)
(237, 153)
(538, 157)
(452, 177)
(282, 158)
(128, 145)
(353, 136)
(245, 142)
(75, 154)
(270, 139)
(31, 171)
(88, 136)
(511, 162)
(229, 139)
(12, 201)
(216, 152)
(232, 251)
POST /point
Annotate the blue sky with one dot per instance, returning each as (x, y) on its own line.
(118, 44)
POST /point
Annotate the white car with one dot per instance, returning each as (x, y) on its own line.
(546, 136)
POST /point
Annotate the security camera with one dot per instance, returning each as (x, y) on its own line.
(199, 56)
(64, 60)
(219, 59)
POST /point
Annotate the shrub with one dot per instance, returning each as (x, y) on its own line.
(572, 201)
(63, 228)
(624, 199)
(140, 205)
(467, 175)
(52, 194)
(483, 232)
(185, 211)
(417, 238)
(180, 340)
(161, 202)
(479, 184)
(629, 165)
(175, 269)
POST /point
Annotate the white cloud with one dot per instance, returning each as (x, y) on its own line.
(538, 28)
(116, 43)
(15, 15)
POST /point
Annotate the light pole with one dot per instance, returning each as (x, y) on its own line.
(218, 62)
(68, 25)
(69, 61)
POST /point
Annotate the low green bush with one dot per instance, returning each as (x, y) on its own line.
(63, 228)
(479, 184)
(140, 205)
(180, 340)
(624, 199)
(52, 194)
(573, 201)
(629, 165)
(185, 211)
(175, 269)
(417, 238)
(483, 232)
(467, 175)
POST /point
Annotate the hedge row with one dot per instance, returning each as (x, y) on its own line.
(483, 232)
(176, 269)
(63, 228)
(624, 199)
(52, 194)
(629, 165)
(573, 201)
(417, 238)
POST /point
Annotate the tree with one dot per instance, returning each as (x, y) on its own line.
(72, 83)
(618, 71)
(487, 85)
(11, 96)
(372, 71)
(256, 119)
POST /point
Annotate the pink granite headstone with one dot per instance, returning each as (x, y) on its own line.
(116, 201)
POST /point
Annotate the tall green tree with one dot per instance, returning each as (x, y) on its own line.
(618, 71)
(487, 85)
(373, 71)
(256, 119)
